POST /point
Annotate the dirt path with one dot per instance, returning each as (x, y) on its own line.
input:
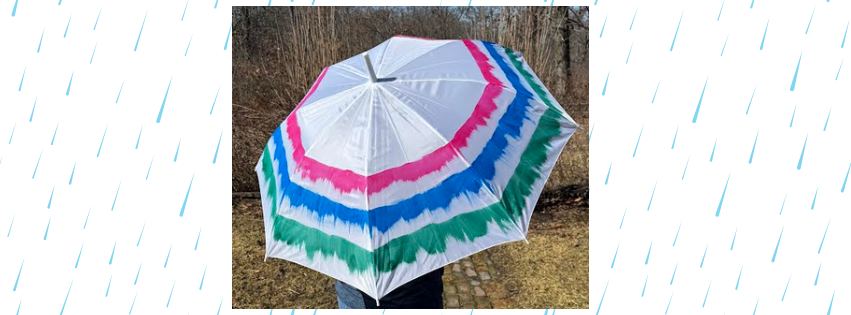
(550, 272)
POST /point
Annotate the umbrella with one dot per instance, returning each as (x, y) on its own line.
(409, 157)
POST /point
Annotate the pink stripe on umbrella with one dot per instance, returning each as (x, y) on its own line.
(346, 180)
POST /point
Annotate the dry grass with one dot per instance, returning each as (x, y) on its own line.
(274, 283)
(552, 271)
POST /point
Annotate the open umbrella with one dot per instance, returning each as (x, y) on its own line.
(408, 157)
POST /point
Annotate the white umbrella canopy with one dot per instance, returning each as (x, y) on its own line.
(408, 157)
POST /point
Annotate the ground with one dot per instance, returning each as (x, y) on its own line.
(549, 272)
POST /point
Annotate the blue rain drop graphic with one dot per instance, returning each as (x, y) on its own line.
(183, 208)
(202, 278)
(707, 294)
(15, 288)
(116, 197)
(197, 239)
(651, 196)
(66, 27)
(823, 237)
(69, 84)
(187, 46)
(98, 19)
(657, 91)
(669, 304)
(718, 212)
(678, 234)
(638, 141)
(751, 101)
(794, 110)
(754, 147)
(184, 11)
(22, 81)
(763, 35)
(801, 159)
(677, 32)
(119, 92)
(101, 140)
(177, 151)
(604, 295)
(79, 255)
(778, 245)
(811, 21)
(140, 31)
(828, 119)
(228, 37)
(170, 294)
(167, 256)
(734, 238)
(72, 173)
(814, 200)
(616, 255)
(817, 275)
(113, 252)
(140, 233)
(609, 173)
(630, 28)
(697, 111)
(137, 274)
(139, 137)
(646, 260)
(674, 274)
(630, 53)
(795, 77)
(787, 288)
(69, 291)
(160, 115)
(675, 137)
(216, 98)
(216, 155)
(740, 277)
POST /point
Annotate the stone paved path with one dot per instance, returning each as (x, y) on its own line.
(470, 283)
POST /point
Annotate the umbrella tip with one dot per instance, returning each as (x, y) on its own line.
(372, 77)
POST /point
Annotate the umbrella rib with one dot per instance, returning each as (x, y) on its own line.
(425, 66)
(383, 53)
(395, 134)
(366, 157)
(443, 80)
(418, 117)
(317, 100)
(351, 69)
(416, 183)
(454, 149)
(322, 132)
(390, 72)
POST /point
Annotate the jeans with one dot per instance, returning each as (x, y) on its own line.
(348, 297)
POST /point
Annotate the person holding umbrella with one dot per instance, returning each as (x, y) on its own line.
(385, 173)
